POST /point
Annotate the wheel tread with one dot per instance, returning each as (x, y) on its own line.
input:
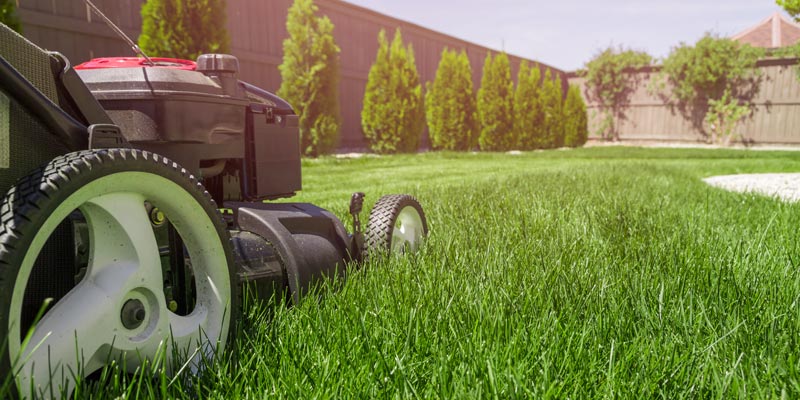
(382, 219)
(22, 209)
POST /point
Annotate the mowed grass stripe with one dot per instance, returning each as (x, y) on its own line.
(587, 273)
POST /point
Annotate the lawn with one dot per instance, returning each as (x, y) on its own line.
(597, 272)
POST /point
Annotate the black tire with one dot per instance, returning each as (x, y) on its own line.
(29, 210)
(389, 211)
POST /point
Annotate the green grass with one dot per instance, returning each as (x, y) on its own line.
(598, 272)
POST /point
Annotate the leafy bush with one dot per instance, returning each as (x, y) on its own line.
(791, 6)
(496, 105)
(709, 68)
(609, 84)
(393, 116)
(183, 29)
(310, 77)
(450, 104)
(528, 109)
(576, 123)
(722, 117)
(8, 14)
(705, 72)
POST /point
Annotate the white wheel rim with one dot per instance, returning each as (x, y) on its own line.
(408, 230)
(89, 315)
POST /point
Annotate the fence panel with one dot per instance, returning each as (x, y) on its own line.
(774, 117)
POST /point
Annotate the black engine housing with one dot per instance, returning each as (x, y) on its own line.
(242, 140)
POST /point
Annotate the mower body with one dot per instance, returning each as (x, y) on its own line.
(243, 143)
(136, 211)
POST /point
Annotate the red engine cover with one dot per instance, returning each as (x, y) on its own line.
(133, 62)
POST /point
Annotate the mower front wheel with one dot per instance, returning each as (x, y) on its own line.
(396, 225)
(113, 304)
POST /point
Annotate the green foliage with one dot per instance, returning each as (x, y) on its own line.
(496, 105)
(310, 77)
(576, 124)
(722, 117)
(706, 71)
(393, 116)
(709, 68)
(552, 104)
(183, 29)
(450, 104)
(609, 84)
(791, 6)
(8, 15)
(528, 109)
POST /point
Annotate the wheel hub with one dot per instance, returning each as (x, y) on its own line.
(133, 314)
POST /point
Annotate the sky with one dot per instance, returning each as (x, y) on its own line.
(567, 33)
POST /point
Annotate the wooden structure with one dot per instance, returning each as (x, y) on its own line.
(774, 120)
(257, 29)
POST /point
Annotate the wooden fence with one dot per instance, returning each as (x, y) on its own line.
(775, 117)
(257, 29)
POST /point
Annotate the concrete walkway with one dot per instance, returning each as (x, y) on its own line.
(783, 186)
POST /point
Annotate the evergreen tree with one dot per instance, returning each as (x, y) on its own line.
(393, 116)
(496, 104)
(183, 28)
(310, 77)
(552, 104)
(558, 112)
(8, 15)
(450, 104)
(528, 112)
(576, 125)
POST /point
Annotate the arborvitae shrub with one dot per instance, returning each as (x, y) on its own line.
(450, 104)
(183, 28)
(310, 77)
(393, 116)
(576, 126)
(552, 104)
(496, 105)
(528, 111)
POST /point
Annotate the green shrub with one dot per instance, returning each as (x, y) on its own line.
(709, 68)
(8, 14)
(393, 116)
(576, 124)
(310, 77)
(450, 104)
(528, 110)
(496, 105)
(183, 28)
(704, 72)
(552, 104)
(722, 117)
(791, 6)
(610, 85)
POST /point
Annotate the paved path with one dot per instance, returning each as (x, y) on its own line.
(784, 186)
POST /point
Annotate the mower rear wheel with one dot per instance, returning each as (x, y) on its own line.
(397, 224)
(117, 307)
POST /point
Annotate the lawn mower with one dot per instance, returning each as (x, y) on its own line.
(136, 212)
